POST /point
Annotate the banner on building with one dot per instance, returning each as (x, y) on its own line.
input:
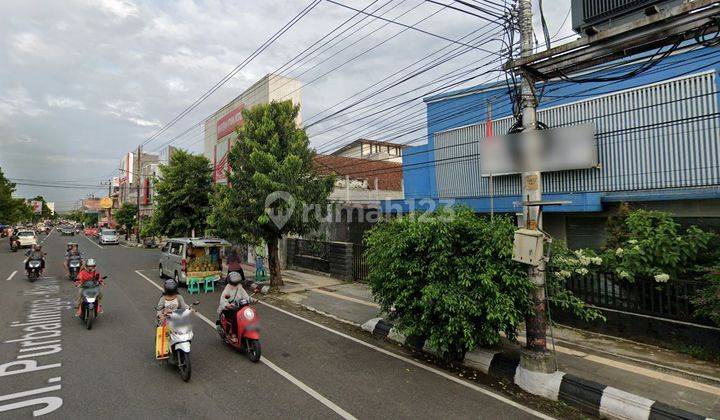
(558, 149)
(36, 206)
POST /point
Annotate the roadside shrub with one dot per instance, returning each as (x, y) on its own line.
(451, 279)
(654, 248)
(563, 265)
(707, 300)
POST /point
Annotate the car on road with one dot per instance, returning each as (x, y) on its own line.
(177, 253)
(108, 236)
(26, 238)
(67, 230)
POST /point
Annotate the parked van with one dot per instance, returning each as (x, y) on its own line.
(179, 253)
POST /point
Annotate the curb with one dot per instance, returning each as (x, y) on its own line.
(589, 396)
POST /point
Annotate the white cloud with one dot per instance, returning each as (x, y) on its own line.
(63, 102)
(17, 101)
(30, 43)
(144, 123)
(176, 85)
(119, 8)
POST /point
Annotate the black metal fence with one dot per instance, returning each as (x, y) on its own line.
(670, 300)
(359, 265)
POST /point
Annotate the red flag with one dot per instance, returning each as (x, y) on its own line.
(489, 132)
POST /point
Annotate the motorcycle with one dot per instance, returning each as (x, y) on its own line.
(89, 308)
(74, 268)
(247, 331)
(177, 326)
(14, 245)
(33, 271)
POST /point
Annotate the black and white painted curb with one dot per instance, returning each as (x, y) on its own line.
(592, 397)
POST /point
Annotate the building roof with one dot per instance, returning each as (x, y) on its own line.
(388, 174)
(367, 141)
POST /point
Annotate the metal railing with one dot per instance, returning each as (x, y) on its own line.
(671, 300)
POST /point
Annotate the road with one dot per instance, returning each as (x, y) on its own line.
(308, 370)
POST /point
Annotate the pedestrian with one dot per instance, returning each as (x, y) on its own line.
(260, 257)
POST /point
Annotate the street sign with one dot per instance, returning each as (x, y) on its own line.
(558, 149)
(106, 203)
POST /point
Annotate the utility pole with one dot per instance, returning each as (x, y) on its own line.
(110, 187)
(137, 191)
(535, 356)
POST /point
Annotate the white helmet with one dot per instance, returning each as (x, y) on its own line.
(90, 262)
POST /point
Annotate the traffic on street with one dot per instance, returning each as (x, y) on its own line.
(52, 365)
(396, 209)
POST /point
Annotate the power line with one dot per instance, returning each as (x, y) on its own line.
(239, 67)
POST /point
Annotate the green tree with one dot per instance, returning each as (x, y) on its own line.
(125, 215)
(182, 195)
(274, 176)
(12, 210)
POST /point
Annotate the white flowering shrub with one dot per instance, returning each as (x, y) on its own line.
(653, 248)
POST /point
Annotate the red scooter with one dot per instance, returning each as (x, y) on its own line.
(246, 336)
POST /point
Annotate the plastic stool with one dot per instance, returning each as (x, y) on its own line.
(193, 286)
(210, 284)
(260, 274)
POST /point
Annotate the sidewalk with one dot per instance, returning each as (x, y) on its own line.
(648, 371)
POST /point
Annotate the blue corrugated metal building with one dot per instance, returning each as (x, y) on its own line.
(658, 137)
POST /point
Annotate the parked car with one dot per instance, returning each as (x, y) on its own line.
(26, 238)
(176, 254)
(108, 236)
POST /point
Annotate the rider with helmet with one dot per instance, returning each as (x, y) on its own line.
(71, 253)
(170, 300)
(88, 273)
(233, 293)
(36, 253)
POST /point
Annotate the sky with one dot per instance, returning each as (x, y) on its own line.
(83, 82)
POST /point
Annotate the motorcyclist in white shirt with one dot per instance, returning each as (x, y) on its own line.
(233, 292)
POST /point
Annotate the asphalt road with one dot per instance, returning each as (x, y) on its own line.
(308, 370)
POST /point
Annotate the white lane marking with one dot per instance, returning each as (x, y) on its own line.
(11, 275)
(326, 402)
(48, 235)
(417, 364)
(94, 243)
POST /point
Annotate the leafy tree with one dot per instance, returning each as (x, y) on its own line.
(12, 210)
(274, 176)
(90, 219)
(125, 215)
(182, 195)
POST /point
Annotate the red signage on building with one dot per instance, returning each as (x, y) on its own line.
(229, 122)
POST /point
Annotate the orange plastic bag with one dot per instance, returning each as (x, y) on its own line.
(162, 343)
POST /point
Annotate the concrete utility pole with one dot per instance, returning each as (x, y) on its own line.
(535, 357)
(137, 192)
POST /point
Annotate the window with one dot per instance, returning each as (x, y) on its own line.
(166, 248)
(175, 248)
